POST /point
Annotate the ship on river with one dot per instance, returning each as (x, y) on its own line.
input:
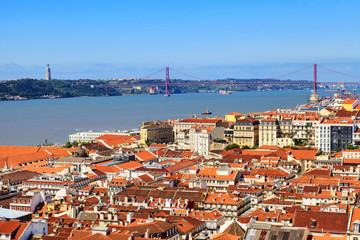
(225, 92)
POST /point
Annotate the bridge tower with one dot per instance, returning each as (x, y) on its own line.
(314, 98)
(167, 80)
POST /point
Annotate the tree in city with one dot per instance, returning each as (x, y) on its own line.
(231, 146)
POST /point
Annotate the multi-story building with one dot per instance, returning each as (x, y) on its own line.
(29, 200)
(185, 124)
(246, 132)
(233, 117)
(350, 104)
(213, 178)
(201, 136)
(304, 129)
(356, 136)
(228, 204)
(157, 132)
(285, 132)
(91, 135)
(334, 134)
(229, 134)
(268, 131)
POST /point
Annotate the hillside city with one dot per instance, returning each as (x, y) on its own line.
(257, 175)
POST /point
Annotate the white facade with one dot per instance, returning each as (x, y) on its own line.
(334, 134)
(36, 226)
(305, 130)
(352, 154)
(322, 137)
(200, 139)
(91, 135)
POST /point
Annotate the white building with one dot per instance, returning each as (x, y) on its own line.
(91, 135)
(334, 134)
(29, 200)
(184, 125)
(304, 128)
(201, 136)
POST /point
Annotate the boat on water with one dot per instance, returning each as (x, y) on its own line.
(207, 112)
(225, 92)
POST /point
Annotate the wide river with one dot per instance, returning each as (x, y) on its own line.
(31, 122)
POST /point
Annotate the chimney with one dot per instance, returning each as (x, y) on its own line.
(131, 237)
(147, 235)
(101, 216)
(129, 217)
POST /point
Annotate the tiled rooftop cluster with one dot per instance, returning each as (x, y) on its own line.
(290, 178)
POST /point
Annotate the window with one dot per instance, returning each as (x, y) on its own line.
(356, 226)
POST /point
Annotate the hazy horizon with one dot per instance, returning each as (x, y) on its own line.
(207, 39)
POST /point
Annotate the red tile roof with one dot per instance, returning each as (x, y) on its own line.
(319, 172)
(323, 221)
(145, 156)
(343, 120)
(201, 120)
(9, 227)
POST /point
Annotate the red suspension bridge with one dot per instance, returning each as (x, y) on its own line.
(197, 81)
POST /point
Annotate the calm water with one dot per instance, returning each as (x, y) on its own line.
(31, 122)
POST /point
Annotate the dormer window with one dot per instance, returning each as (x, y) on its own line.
(267, 219)
(313, 223)
(356, 226)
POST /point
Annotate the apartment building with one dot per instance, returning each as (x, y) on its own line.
(304, 127)
(246, 132)
(230, 205)
(211, 177)
(200, 138)
(185, 124)
(334, 134)
(285, 132)
(268, 131)
(157, 132)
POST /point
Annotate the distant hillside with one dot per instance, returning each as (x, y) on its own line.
(32, 88)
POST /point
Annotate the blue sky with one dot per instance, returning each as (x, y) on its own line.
(209, 39)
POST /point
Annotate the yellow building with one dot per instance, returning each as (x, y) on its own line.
(276, 132)
(350, 104)
(246, 132)
(157, 132)
(233, 117)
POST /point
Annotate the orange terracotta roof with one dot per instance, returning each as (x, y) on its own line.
(343, 120)
(270, 147)
(158, 145)
(319, 172)
(235, 113)
(351, 161)
(9, 227)
(222, 198)
(200, 120)
(129, 165)
(349, 101)
(303, 154)
(16, 155)
(210, 173)
(338, 223)
(145, 156)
